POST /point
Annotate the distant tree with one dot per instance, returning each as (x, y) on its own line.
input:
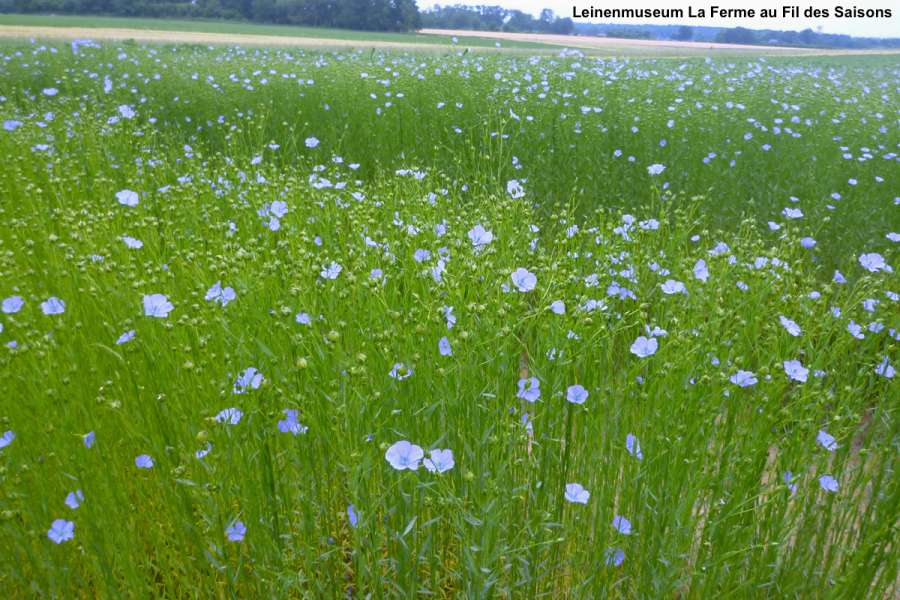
(684, 33)
(403, 15)
(629, 33)
(492, 17)
(789, 38)
(387, 15)
(518, 21)
(562, 26)
(736, 35)
(807, 37)
(408, 16)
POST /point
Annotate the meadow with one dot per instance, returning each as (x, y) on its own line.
(53, 25)
(365, 324)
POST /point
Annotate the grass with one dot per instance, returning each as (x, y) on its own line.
(238, 28)
(44, 27)
(377, 157)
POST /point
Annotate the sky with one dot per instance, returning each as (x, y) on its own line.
(866, 27)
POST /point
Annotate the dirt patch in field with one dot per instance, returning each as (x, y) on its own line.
(612, 44)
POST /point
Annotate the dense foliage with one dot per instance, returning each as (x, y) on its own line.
(404, 15)
(497, 18)
(366, 15)
(736, 35)
(494, 18)
(286, 323)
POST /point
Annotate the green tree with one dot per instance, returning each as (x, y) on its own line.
(737, 35)
(684, 33)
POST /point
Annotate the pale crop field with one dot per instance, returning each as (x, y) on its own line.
(98, 28)
(119, 29)
(282, 323)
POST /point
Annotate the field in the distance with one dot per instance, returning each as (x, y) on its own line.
(227, 32)
(650, 48)
(288, 322)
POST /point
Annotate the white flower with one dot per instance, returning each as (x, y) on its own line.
(796, 371)
(673, 286)
(230, 416)
(789, 325)
(331, 271)
(74, 499)
(480, 236)
(885, 369)
(400, 372)
(249, 379)
(524, 280)
(219, 294)
(826, 440)
(133, 243)
(127, 198)
(157, 305)
(622, 525)
(828, 483)
(53, 306)
(743, 378)
(644, 346)
(701, 271)
(874, 262)
(576, 493)
(514, 189)
(404, 455)
(440, 461)
(633, 446)
(576, 394)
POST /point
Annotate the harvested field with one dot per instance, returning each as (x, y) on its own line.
(669, 46)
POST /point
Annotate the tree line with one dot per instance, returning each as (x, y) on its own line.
(735, 35)
(494, 18)
(404, 15)
(365, 15)
(806, 38)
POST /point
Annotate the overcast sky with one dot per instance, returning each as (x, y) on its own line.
(859, 27)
